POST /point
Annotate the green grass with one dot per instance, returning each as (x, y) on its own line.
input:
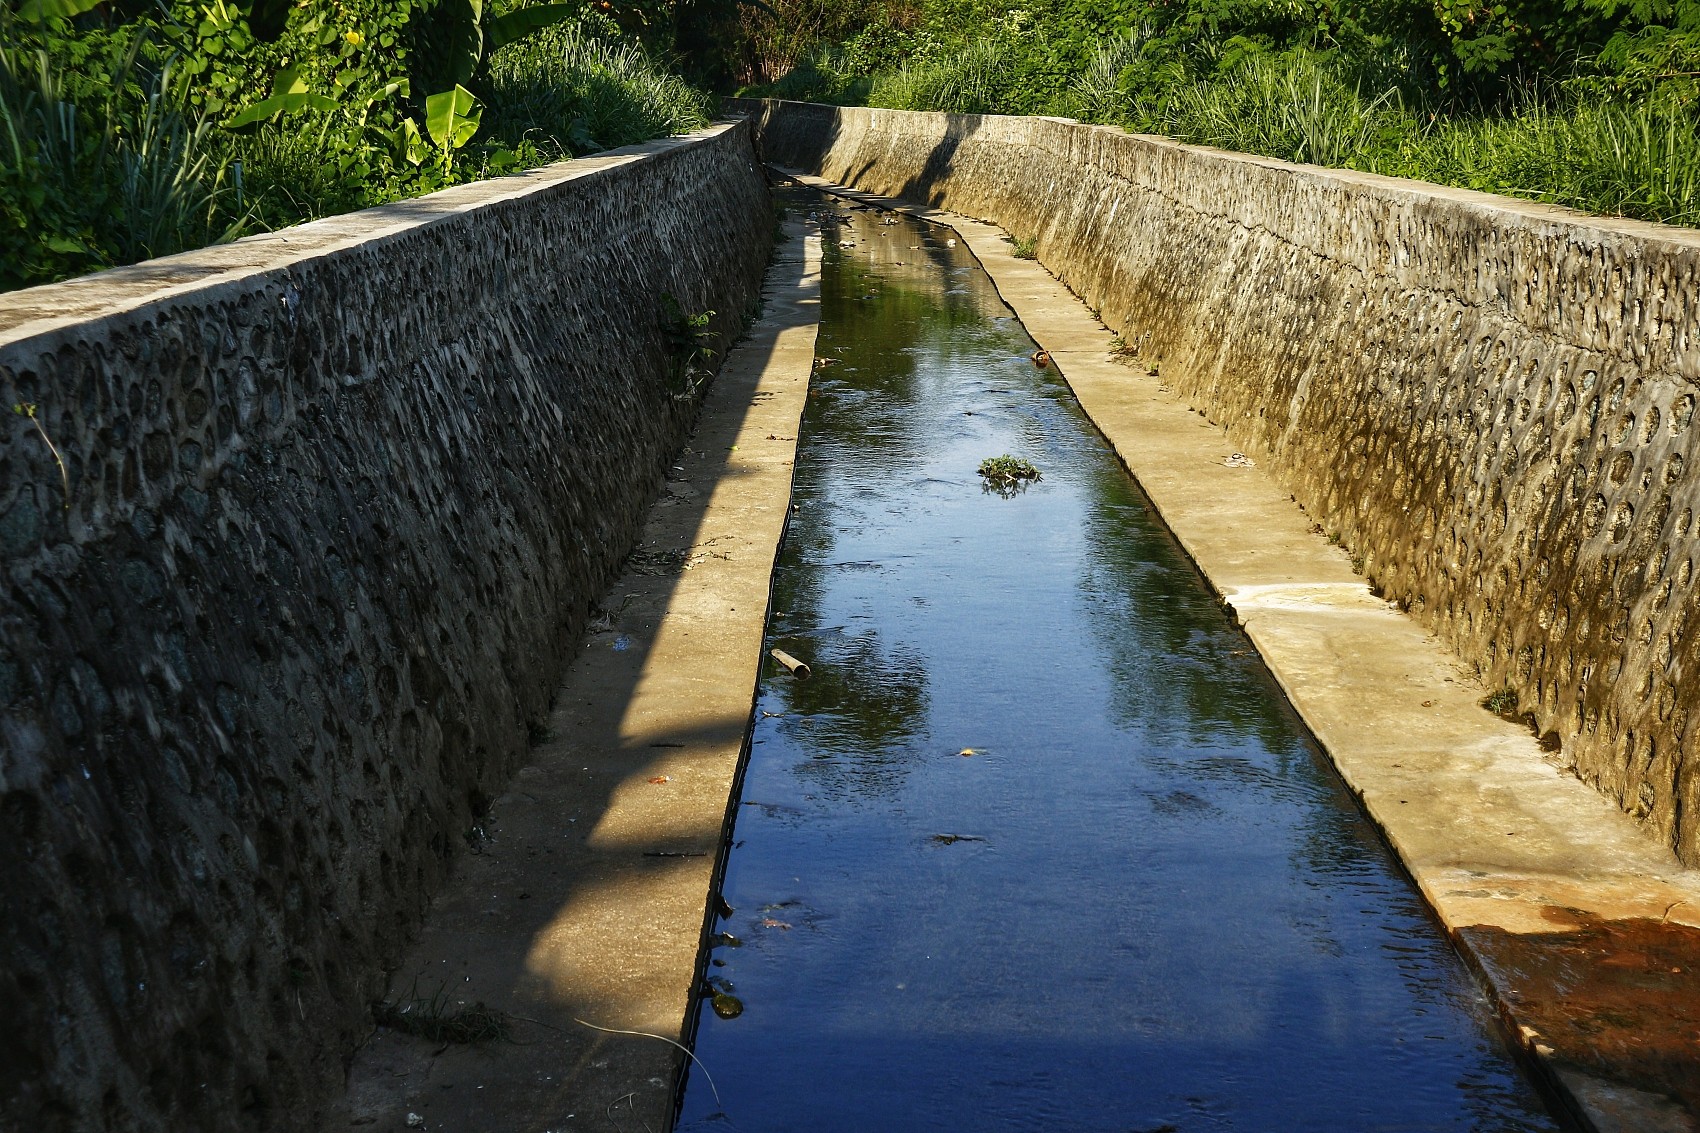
(572, 93)
(109, 153)
(1560, 146)
(971, 80)
(1576, 141)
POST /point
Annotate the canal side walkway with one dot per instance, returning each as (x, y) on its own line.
(1585, 931)
(576, 917)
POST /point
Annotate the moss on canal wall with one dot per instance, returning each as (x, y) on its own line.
(1490, 401)
(335, 503)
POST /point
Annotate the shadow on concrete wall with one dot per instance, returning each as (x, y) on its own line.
(585, 884)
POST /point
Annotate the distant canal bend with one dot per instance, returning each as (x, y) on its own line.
(1039, 846)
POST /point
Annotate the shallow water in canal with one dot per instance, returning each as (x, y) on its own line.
(1039, 846)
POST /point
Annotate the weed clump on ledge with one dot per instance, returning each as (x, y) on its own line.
(437, 1020)
(1502, 703)
(1006, 475)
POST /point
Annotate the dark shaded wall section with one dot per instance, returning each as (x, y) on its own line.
(1491, 401)
(336, 503)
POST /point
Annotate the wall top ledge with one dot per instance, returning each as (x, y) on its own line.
(36, 311)
(1589, 227)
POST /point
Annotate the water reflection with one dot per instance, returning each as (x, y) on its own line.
(1145, 614)
(1039, 846)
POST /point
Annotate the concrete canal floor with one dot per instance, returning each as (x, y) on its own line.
(579, 912)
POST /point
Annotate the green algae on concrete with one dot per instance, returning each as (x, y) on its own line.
(1582, 925)
(581, 914)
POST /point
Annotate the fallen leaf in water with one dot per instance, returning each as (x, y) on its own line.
(967, 751)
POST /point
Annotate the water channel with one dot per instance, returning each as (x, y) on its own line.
(1040, 846)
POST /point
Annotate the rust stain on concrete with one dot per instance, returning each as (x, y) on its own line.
(1615, 999)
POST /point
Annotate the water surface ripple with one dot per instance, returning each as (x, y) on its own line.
(1143, 902)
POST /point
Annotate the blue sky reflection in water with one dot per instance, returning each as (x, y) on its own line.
(1142, 903)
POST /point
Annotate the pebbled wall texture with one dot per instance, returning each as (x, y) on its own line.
(1492, 402)
(335, 504)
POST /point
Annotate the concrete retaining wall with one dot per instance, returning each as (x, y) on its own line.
(336, 501)
(1490, 401)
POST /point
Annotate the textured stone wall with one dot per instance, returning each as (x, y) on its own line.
(1491, 401)
(336, 501)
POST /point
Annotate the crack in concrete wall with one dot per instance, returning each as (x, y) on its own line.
(1490, 401)
(337, 501)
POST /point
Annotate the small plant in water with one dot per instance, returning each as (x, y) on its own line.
(1006, 475)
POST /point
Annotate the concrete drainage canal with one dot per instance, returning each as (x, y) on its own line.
(1038, 844)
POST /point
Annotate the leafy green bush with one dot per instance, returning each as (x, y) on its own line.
(123, 138)
(119, 176)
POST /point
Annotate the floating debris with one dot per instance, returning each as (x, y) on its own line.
(797, 668)
(1006, 475)
(1041, 359)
